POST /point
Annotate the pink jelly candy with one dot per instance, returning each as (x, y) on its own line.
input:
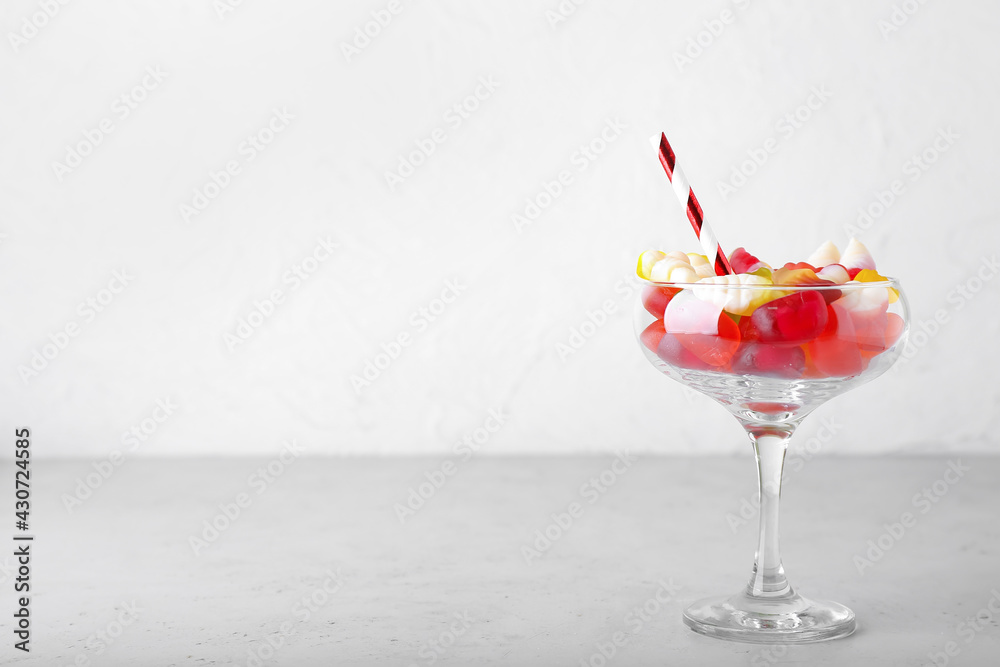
(893, 330)
(835, 353)
(867, 311)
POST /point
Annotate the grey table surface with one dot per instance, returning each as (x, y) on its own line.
(319, 569)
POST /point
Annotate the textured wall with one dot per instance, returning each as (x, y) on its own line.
(185, 165)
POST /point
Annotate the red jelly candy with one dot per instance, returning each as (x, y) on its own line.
(785, 361)
(652, 334)
(703, 328)
(675, 354)
(748, 332)
(835, 353)
(744, 262)
(830, 295)
(796, 318)
(655, 299)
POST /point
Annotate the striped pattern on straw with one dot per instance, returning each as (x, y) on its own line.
(690, 203)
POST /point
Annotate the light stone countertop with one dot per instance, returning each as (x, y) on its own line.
(321, 556)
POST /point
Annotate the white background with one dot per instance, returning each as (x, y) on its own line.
(559, 83)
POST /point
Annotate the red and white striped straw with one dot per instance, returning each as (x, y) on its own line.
(686, 196)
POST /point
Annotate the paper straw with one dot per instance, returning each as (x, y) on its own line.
(685, 194)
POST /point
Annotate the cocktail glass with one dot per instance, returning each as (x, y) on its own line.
(792, 349)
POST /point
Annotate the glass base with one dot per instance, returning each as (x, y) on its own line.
(790, 619)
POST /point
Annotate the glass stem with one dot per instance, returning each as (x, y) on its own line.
(768, 580)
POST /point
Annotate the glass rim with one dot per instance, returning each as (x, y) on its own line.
(889, 282)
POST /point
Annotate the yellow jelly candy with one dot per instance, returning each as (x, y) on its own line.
(869, 276)
(872, 276)
(646, 262)
(797, 277)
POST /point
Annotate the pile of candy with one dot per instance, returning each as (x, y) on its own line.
(755, 327)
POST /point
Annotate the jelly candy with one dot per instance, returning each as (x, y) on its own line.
(755, 358)
(748, 332)
(866, 309)
(894, 326)
(869, 276)
(872, 276)
(835, 352)
(811, 371)
(825, 255)
(701, 265)
(789, 266)
(671, 269)
(646, 262)
(737, 301)
(856, 256)
(805, 276)
(893, 329)
(702, 328)
(744, 262)
(835, 273)
(655, 299)
(674, 353)
(652, 334)
(796, 318)
(792, 275)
